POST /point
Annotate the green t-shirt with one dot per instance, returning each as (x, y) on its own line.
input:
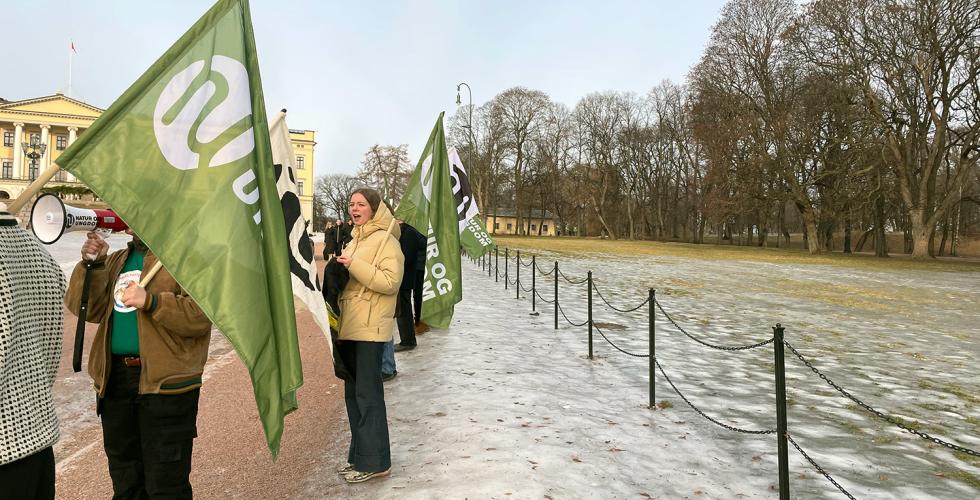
(125, 330)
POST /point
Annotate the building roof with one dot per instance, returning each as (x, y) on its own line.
(52, 105)
(510, 212)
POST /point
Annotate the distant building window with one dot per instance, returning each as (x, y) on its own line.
(32, 170)
(534, 227)
(61, 142)
(8, 169)
(8, 138)
(300, 162)
(496, 225)
(299, 187)
(544, 228)
(35, 138)
(510, 226)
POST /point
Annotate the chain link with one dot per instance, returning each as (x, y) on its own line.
(549, 273)
(877, 413)
(562, 311)
(695, 408)
(542, 299)
(566, 278)
(819, 469)
(713, 346)
(616, 346)
(645, 302)
(525, 289)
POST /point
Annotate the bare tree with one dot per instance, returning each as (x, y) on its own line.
(521, 113)
(333, 192)
(388, 168)
(917, 63)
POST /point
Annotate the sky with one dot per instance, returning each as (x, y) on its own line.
(369, 72)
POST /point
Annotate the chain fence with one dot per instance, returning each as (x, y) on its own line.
(818, 467)
(708, 344)
(645, 301)
(620, 349)
(700, 412)
(877, 413)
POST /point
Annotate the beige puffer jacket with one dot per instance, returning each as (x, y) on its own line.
(367, 304)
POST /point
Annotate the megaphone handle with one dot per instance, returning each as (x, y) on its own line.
(76, 357)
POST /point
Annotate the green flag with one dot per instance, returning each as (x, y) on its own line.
(429, 206)
(184, 157)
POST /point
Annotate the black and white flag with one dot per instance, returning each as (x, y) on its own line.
(302, 267)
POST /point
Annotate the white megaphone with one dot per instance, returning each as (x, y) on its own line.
(51, 218)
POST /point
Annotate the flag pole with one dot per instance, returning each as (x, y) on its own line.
(71, 52)
(33, 189)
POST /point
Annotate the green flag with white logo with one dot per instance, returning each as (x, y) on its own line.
(429, 206)
(183, 156)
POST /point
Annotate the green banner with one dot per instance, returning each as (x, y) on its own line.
(429, 206)
(184, 157)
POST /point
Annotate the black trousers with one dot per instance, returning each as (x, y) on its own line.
(370, 449)
(417, 295)
(30, 478)
(403, 317)
(148, 438)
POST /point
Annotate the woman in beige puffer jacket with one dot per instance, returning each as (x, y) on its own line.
(367, 309)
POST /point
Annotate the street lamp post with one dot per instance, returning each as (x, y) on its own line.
(34, 151)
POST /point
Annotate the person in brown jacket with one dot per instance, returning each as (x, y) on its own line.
(146, 364)
(367, 321)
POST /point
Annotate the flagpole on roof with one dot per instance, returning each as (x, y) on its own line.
(71, 54)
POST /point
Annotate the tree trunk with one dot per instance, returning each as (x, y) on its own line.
(920, 234)
(847, 234)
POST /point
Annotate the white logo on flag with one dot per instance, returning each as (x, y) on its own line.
(174, 137)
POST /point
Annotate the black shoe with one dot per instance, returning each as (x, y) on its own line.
(387, 377)
(403, 347)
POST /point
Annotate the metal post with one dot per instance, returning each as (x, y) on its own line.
(496, 264)
(483, 261)
(534, 280)
(506, 266)
(556, 295)
(653, 346)
(590, 314)
(781, 413)
(518, 287)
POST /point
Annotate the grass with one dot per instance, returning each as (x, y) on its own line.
(579, 246)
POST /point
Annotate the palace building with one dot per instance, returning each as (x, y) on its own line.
(36, 131)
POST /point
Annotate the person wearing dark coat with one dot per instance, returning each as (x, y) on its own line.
(413, 248)
(333, 239)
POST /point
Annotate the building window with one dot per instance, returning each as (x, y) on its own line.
(32, 170)
(8, 169)
(510, 226)
(534, 227)
(35, 138)
(8, 138)
(300, 162)
(61, 142)
(496, 225)
(544, 227)
(299, 188)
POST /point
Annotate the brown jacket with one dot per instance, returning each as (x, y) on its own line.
(367, 304)
(173, 337)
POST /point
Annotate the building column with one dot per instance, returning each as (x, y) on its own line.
(18, 152)
(46, 158)
(72, 135)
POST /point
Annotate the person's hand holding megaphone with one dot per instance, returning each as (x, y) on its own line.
(94, 248)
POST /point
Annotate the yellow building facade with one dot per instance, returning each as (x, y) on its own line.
(537, 223)
(36, 131)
